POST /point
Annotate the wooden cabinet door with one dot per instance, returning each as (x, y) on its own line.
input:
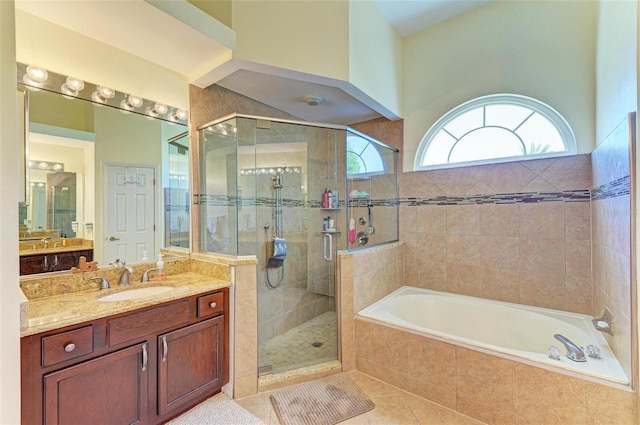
(111, 389)
(190, 364)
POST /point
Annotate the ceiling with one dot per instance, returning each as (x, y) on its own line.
(188, 49)
(411, 16)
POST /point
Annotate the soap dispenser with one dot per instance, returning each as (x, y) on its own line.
(160, 265)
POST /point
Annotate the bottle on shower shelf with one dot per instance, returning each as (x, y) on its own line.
(325, 199)
(330, 200)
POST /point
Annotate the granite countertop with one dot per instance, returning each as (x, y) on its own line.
(26, 249)
(57, 311)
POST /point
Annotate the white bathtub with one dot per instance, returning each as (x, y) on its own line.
(511, 329)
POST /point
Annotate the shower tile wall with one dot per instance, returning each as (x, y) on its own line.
(611, 238)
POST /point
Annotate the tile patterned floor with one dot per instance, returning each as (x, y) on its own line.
(295, 349)
(393, 407)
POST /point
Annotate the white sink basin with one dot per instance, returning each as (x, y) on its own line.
(133, 294)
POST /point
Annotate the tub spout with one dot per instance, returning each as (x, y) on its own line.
(573, 351)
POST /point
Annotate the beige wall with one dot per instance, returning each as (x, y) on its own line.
(544, 50)
(305, 36)
(9, 301)
(616, 70)
(219, 9)
(375, 55)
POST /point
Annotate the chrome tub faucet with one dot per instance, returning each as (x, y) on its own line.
(573, 351)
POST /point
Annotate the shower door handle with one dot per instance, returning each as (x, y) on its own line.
(328, 243)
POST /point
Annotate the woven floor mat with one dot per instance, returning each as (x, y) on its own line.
(325, 401)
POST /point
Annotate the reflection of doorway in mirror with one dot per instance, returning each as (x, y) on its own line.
(129, 212)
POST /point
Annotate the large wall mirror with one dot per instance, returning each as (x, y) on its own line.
(104, 183)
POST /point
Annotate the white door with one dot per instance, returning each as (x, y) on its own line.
(129, 213)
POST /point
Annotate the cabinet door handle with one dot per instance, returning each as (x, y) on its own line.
(145, 357)
(213, 304)
(69, 347)
(165, 349)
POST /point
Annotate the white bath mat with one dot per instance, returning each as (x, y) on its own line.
(217, 410)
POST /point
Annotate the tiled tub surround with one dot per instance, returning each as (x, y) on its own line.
(518, 232)
(491, 389)
(518, 332)
(365, 276)
(611, 218)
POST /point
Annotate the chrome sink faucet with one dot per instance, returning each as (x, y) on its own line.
(124, 276)
(573, 351)
(145, 275)
(104, 283)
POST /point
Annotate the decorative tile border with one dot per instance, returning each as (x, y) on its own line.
(583, 195)
(613, 189)
(502, 198)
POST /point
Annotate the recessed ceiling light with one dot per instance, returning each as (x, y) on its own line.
(313, 100)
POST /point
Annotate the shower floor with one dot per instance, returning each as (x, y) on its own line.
(298, 347)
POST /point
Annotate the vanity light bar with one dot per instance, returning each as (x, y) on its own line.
(46, 165)
(37, 78)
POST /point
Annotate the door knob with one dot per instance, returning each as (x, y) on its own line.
(113, 238)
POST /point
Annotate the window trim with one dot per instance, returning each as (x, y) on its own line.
(535, 105)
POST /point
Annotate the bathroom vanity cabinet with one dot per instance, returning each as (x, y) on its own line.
(144, 367)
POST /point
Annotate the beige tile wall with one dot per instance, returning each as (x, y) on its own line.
(485, 387)
(611, 219)
(364, 277)
(536, 254)
(245, 361)
(529, 253)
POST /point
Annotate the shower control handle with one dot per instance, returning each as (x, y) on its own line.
(328, 247)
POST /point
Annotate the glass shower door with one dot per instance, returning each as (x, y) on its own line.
(294, 164)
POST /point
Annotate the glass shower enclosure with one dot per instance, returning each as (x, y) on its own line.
(293, 194)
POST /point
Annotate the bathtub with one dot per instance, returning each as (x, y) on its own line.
(512, 330)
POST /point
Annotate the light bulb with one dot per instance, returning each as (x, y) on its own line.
(181, 114)
(160, 108)
(31, 84)
(134, 101)
(125, 106)
(57, 167)
(37, 74)
(106, 92)
(151, 112)
(68, 92)
(95, 96)
(75, 84)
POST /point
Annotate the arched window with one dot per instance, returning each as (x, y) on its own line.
(363, 158)
(495, 128)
